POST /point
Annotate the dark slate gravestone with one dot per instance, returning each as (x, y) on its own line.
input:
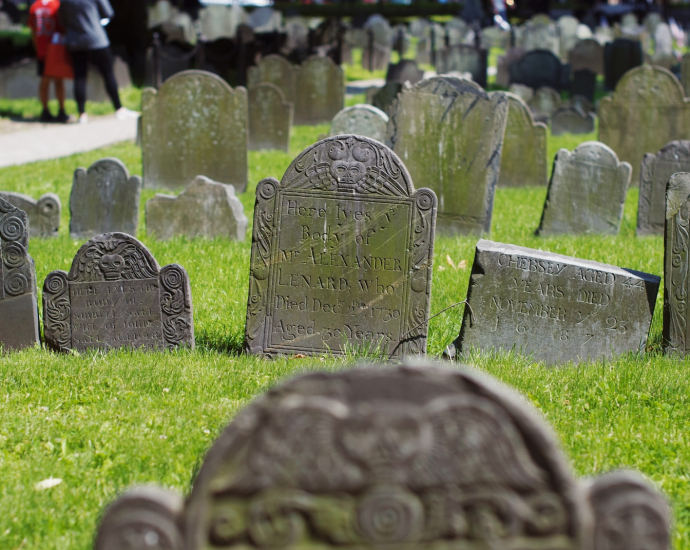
(104, 198)
(572, 121)
(194, 124)
(404, 71)
(450, 133)
(270, 118)
(584, 83)
(18, 306)
(553, 307)
(320, 94)
(655, 172)
(464, 59)
(341, 254)
(276, 70)
(587, 54)
(540, 68)
(116, 295)
(383, 98)
(413, 456)
(586, 192)
(620, 56)
(44, 213)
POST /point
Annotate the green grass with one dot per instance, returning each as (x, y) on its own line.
(103, 422)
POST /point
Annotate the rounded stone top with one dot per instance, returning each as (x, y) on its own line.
(649, 83)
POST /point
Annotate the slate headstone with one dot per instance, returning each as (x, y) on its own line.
(544, 103)
(620, 56)
(320, 90)
(104, 198)
(554, 308)
(270, 118)
(116, 295)
(405, 70)
(570, 120)
(205, 209)
(383, 98)
(539, 68)
(276, 70)
(341, 254)
(539, 33)
(586, 193)
(44, 213)
(464, 59)
(361, 120)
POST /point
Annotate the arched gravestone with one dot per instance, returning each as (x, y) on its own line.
(361, 120)
(342, 251)
(405, 457)
(270, 118)
(539, 68)
(646, 111)
(116, 295)
(194, 124)
(450, 133)
(320, 90)
(276, 70)
(587, 54)
(44, 213)
(620, 56)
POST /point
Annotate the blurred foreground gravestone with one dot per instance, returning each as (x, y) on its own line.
(44, 213)
(361, 120)
(270, 118)
(554, 308)
(320, 90)
(341, 254)
(116, 295)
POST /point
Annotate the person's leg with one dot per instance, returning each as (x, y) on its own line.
(60, 94)
(104, 63)
(79, 65)
(43, 93)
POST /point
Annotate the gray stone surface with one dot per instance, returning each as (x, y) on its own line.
(103, 199)
(581, 103)
(464, 59)
(586, 192)
(205, 209)
(450, 133)
(194, 124)
(276, 70)
(44, 213)
(320, 90)
(523, 92)
(361, 120)
(341, 255)
(270, 118)
(116, 295)
(495, 37)
(655, 172)
(587, 54)
(404, 71)
(544, 103)
(567, 34)
(555, 308)
(539, 68)
(539, 33)
(620, 56)
(383, 98)
(663, 39)
(503, 64)
(571, 120)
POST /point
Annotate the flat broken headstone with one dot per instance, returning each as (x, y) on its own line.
(553, 307)
(361, 120)
(570, 120)
(341, 254)
(320, 90)
(44, 213)
(116, 295)
(270, 118)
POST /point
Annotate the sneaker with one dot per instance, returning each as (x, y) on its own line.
(83, 118)
(123, 113)
(46, 116)
(62, 117)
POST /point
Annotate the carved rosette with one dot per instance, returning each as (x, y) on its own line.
(18, 272)
(176, 304)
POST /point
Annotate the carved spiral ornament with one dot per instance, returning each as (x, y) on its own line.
(56, 283)
(425, 200)
(389, 515)
(267, 189)
(12, 228)
(16, 284)
(172, 277)
(14, 255)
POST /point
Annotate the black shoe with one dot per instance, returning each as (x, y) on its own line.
(46, 116)
(62, 117)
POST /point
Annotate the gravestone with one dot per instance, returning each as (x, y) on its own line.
(630, 23)
(539, 33)
(270, 118)
(404, 71)
(361, 120)
(620, 56)
(104, 199)
(458, 32)
(503, 64)
(554, 308)
(265, 19)
(450, 133)
(584, 83)
(567, 33)
(341, 254)
(663, 39)
(586, 193)
(18, 302)
(651, 21)
(539, 68)
(383, 98)
(583, 32)
(464, 59)
(524, 139)
(544, 103)
(495, 37)
(276, 70)
(587, 54)
(116, 295)
(378, 43)
(44, 213)
(647, 111)
(320, 90)
(581, 103)
(194, 124)
(655, 172)
(572, 121)
(205, 209)
(297, 36)
(218, 21)
(523, 92)
(685, 73)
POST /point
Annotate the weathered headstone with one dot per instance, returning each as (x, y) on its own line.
(544, 103)
(567, 33)
(495, 37)
(104, 199)
(276, 70)
(341, 254)
(378, 43)
(503, 64)
(651, 21)
(361, 120)
(539, 68)
(194, 124)
(44, 213)
(620, 56)
(685, 73)
(320, 91)
(584, 83)
(270, 118)
(464, 59)
(655, 172)
(586, 192)
(523, 92)
(663, 39)
(265, 19)
(539, 33)
(404, 71)
(116, 295)
(458, 32)
(218, 21)
(570, 120)
(205, 209)
(450, 133)
(429, 43)
(581, 103)
(524, 139)
(383, 98)
(555, 308)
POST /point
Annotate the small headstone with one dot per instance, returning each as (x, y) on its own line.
(104, 199)
(572, 121)
(567, 32)
(581, 103)
(539, 33)
(464, 59)
(44, 213)
(525, 93)
(655, 172)
(586, 193)
(620, 56)
(540, 68)
(361, 120)
(584, 83)
(383, 98)
(629, 23)
(554, 308)
(587, 54)
(544, 103)
(320, 90)
(404, 71)
(205, 209)
(663, 39)
(276, 70)
(458, 32)
(270, 118)
(116, 295)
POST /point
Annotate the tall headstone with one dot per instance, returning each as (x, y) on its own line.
(276, 70)
(450, 133)
(620, 56)
(44, 213)
(586, 193)
(458, 32)
(570, 120)
(104, 198)
(270, 118)
(540, 68)
(464, 59)
(341, 256)
(655, 172)
(116, 295)
(587, 54)
(539, 33)
(361, 120)
(320, 90)
(405, 70)
(567, 34)
(194, 124)
(495, 37)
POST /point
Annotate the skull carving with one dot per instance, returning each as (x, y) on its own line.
(348, 173)
(349, 158)
(111, 266)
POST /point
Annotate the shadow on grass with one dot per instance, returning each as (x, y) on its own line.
(231, 344)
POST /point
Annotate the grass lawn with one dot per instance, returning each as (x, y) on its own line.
(103, 422)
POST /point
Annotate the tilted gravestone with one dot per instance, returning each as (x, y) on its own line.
(587, 54)
(620, 56)
(539, 68)
(553, 307)
(586, 192)
(655, 172)
(276, 70)
(116, 295)
(44, 213)
(103, 199)
(320, 90)
(572, 121)
(647, 111)
(270, 118)
(194, 124)
(450, 133)
(464, 59)
(361, 120)
(205, 209)
(544, 103)
(341, 254)
(405, 70)
(524, 139)
(413, 456)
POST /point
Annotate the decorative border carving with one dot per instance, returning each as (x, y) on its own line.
(18, 271)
